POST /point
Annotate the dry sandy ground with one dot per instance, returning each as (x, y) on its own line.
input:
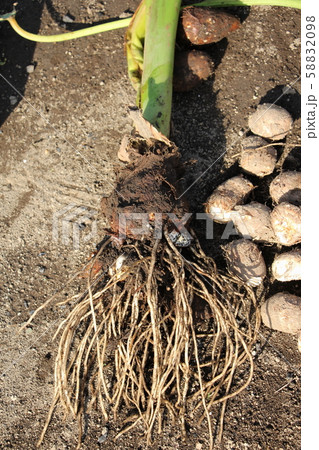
(58, 147)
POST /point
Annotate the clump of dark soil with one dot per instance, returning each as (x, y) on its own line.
(149, 185)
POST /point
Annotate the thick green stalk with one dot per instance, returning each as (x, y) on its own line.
(134, 45)
(159, 48)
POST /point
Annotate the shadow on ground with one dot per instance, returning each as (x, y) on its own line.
(16, 54)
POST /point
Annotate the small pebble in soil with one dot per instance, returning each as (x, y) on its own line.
(30, 68)
(125, 14)
(103, 436)
(67, 18)
(13, 100)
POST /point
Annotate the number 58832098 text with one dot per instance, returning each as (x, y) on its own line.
(310, 47)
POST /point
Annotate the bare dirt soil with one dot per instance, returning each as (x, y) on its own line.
(61, 127)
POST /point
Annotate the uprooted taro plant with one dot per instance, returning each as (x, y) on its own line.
(133, 340)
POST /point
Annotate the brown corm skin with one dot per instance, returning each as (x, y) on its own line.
(202, 26)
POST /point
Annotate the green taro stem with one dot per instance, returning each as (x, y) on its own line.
(157, 78)
(134, 46)
(116, 24)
